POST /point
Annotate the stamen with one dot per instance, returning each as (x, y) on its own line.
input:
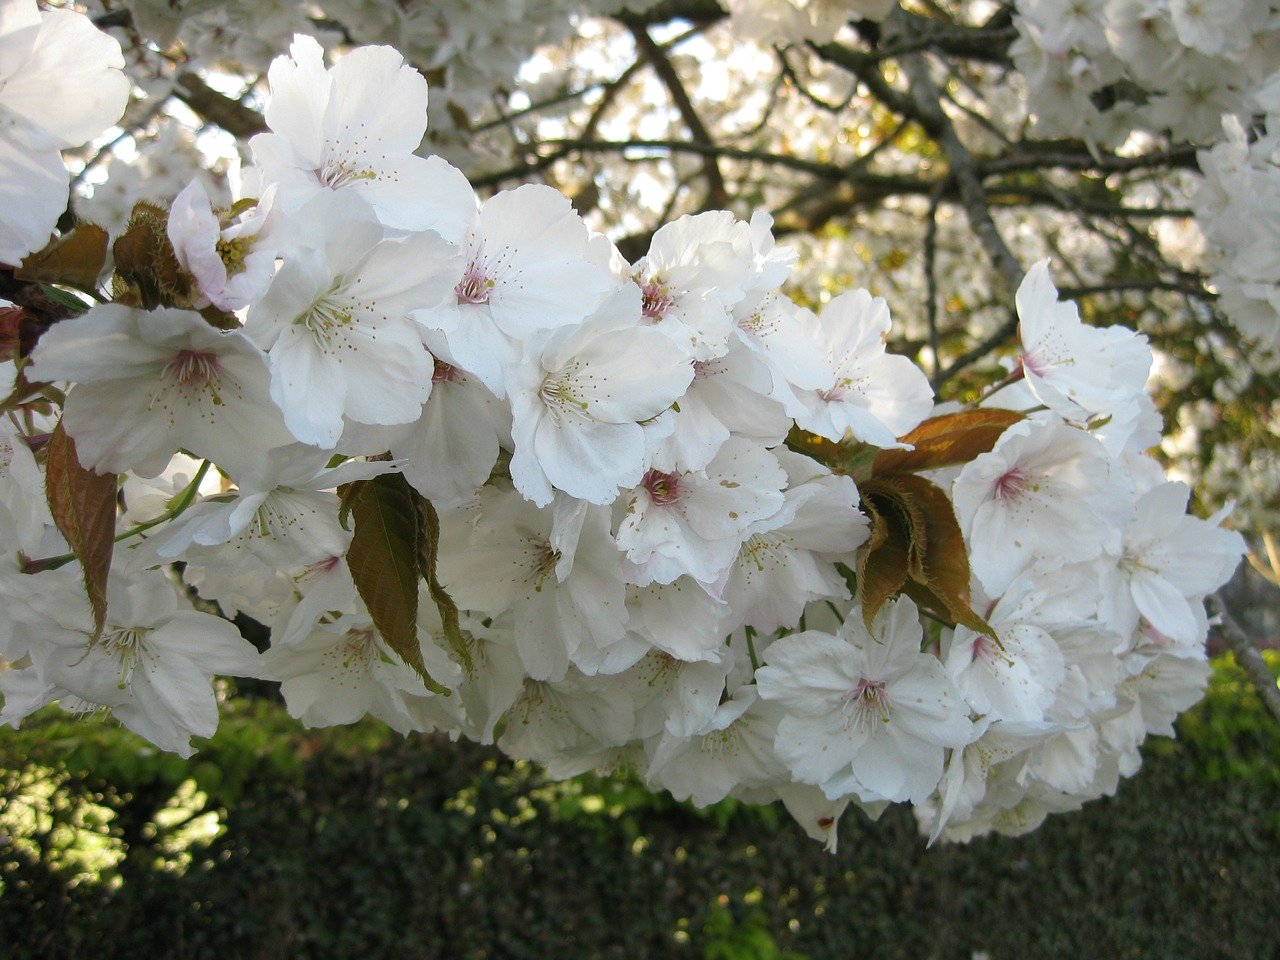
(655, 300)
(474, 287)
(1013, 483)
(664, 488)
(866, 701)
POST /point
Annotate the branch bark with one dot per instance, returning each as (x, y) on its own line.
(1247, 655)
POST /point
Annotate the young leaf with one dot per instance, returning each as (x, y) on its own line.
(916, 547)
(383, 558)
(428, 550)
(948, 440)
(83, 504)
(882, 563)
(852, 459)
(944, 562)
(74, 260)
(147, 273)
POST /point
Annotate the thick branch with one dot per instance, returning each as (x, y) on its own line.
(231, 115)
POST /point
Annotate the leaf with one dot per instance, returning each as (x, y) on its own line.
(944, 560)
(147, 270)
(428, 551)
(383, 558)
(946, 441)
(882, 565)
(73, 260)
(83, 504)
(852, 459)
(917, 548)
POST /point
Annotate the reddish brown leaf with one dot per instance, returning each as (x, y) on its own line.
(73, 260)
(383, 558)
(83, 504)
(882, 565)
(916, 547)
(147, 271)
(945, 441)
(945, 559)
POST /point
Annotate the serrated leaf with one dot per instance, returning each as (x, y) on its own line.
(916, 548)
(83, 504)
(945, 558)
(946, 441)
(73, 260)
(383, 559)
(882, 565)
(428, 551)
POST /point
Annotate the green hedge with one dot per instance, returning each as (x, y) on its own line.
(275, 841)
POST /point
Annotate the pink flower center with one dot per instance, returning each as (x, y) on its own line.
(655, 300)
(866, 700)
(984, 649)
(1033, 363)
(445, 373)
(191, 371)
(474, 287)
(1013, 483)
(664, 488)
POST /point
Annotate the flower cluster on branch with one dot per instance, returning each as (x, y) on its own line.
(481, 472)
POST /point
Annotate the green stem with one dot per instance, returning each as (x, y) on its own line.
(176, 506)
(751, 647)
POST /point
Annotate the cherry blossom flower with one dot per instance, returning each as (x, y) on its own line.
(525, 249)
(1044, 491)
(1073, 369)
(697, 269)
(694, 522)
(557, 571)
(152, 665)
(354, 128)
(231, 269)
(336, 321)
(1171, 561)
(867, 714)
(60, 85)
(786, 560)
(578, 399)
(148, 383)
(872, 396)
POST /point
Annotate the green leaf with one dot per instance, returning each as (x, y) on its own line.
(383, 558)
(428, 550)
(83, 504)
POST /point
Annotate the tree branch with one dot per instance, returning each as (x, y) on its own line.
(717, 195)
(1247, 654)
(231, 115)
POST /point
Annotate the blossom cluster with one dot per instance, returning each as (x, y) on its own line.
(1241, 179)
(652, 513)
(1100, 69)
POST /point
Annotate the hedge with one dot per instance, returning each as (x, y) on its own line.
(276, 841)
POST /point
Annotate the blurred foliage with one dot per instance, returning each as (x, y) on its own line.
(276, 841)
